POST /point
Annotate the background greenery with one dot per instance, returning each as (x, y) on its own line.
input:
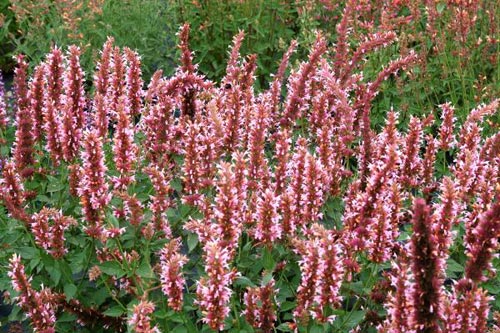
(149, 26)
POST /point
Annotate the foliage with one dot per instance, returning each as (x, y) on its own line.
(140, 25)
(187, 204)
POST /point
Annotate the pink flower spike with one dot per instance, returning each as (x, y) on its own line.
(93, 189)
(140, 321)
(172, 281)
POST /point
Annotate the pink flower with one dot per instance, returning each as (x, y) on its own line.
(258, 128)
(260, 307)
(229, 205)
(233, 70)
(330, 271)
(50, 236)
(309, 269)
(399, 304)
(467, 309)
(12, 193)
(192, 169)
(23, 145)
(299, 84)
(268, 227)
(93, 190)
(140, 321)
(446, 136)
(73, 105)
(160, 132)
(426, 266)
(20, 83)
(445, 216)
(54, 77)
(213, 292)
(133, 82)
(172, 281)
(275, 90)
(116, 87)
(36, 96)
(161, 201)
(412, 163)
(282, 154)
(124, 148)
(484, 244)
(102, 75)
(53, 130)
(39, 310)
(4, 119)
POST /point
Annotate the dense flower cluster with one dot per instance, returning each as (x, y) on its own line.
(200, 197)
(51, 236)
(171, 273)
(39, 310)
(140, 321)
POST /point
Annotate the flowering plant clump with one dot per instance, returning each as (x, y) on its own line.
(189, 206)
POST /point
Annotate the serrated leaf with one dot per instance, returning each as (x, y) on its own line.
(243, 281)
(115, 311)
(55, 273)
(268, 260)
(27, 252)
(285, 327)
(267, 278)
(180, 329)
(355, 318)
(144, 270)
(70, 291)
(54, 185)
(440, 7)
(316, 329)
(286, 306)
(192, 241)
(112, 268)
(453, 266)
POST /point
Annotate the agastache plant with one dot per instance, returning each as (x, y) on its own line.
(182, 204)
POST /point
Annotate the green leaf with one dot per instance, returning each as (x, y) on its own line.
(453, 267)
(316, 329)
(70, 291)
(27, 252)
(100, 296)
(66, 318)
(54, 185)
(267, 278)
(115, 311)
(180, 329)
(144, 270)
(285, 327)
(112, 268)
(440, 7)
(54, 272)
(192, 241)
(268, 260)
(286, 306)
(243, 281)
(355, 318)
(176, 184)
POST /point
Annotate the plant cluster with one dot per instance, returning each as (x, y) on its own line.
(194, 206)
(460, 62)
(34, 27)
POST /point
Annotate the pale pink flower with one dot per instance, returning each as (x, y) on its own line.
(213, 292)
(171, 278)
(140, 321)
